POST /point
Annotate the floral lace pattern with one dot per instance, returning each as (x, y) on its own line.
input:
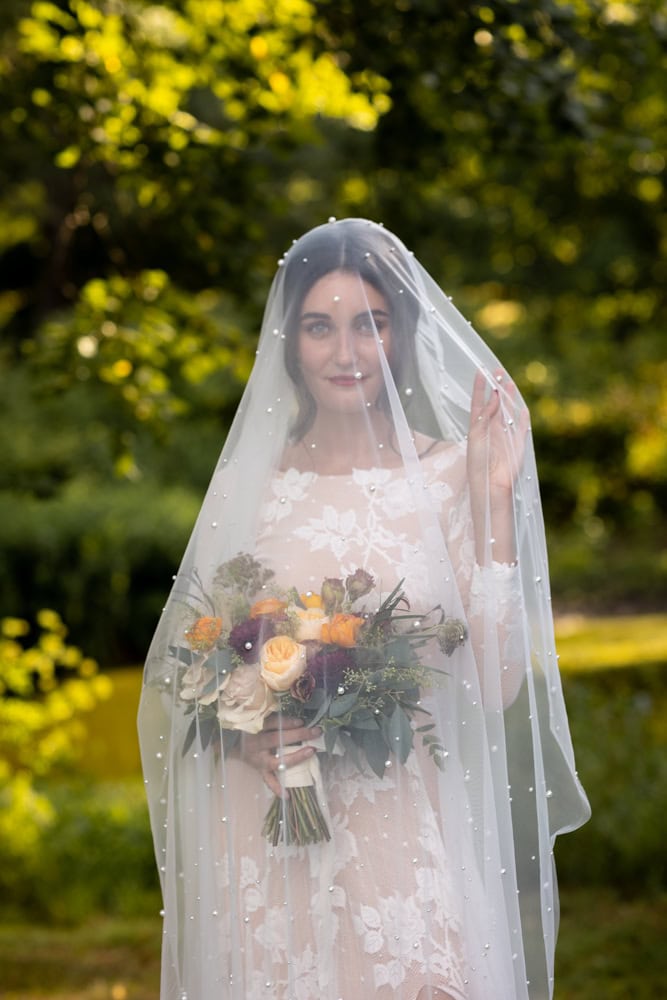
(378, 912)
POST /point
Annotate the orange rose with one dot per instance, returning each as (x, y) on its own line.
(204, 632)
(268, 606)
(282, 661)
(342, 630)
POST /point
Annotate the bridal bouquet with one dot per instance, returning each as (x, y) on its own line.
(323, 657)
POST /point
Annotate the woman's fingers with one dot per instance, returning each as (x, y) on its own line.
(481, 408)
(275, 763)
(275, 748)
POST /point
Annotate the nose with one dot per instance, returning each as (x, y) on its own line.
(344, 353)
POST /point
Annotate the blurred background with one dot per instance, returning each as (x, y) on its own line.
(156, 159)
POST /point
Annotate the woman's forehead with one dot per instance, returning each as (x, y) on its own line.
(343, 290)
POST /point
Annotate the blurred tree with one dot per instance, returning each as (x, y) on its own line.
(534, 138)
(157, 157)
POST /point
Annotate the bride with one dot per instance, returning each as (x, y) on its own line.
(377, 487)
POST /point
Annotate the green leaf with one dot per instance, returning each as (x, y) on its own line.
(322, 711)
(330, 737)
(351, 746)
(376, 751)
(189, 736)
(230, 739)
(208, 726)
(343, 704)
(219, 660)
(398, 733)
(183, 654)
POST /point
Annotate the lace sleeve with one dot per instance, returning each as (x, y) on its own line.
(494, 617)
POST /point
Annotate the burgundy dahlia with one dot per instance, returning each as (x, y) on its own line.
(248, 637)
(328, 666)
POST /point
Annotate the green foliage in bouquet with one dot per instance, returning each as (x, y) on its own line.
(323, 658)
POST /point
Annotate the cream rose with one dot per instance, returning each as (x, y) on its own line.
(282, 660)
(195, 681)
(245, 700)
(309, 622)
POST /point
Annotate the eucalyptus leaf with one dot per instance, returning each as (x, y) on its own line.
(376, 751)
(183, 654)
(190, 736)
(322, 711)
(343, 704)
(400, 734)
(351, 747)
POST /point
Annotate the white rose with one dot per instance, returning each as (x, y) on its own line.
(195, 679)
(245, 700)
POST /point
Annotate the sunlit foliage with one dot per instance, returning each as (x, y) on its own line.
(156, 160)
(45, 688)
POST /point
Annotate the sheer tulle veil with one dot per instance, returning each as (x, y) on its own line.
(347, 478)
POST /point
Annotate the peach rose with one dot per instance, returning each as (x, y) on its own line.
(202, 634)
(267, 606)
(342, 630)
(282, 660)
(245, 700)
(309, 622)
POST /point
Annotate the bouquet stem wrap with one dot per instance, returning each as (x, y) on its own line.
(302, 817)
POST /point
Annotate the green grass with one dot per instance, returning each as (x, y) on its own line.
(602, 643)
(609, 947)
(101, 960)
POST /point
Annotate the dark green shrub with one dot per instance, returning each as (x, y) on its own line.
(619, 728)
(96, 857)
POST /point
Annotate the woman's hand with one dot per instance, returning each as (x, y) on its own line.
(263, 750)
(496, 446)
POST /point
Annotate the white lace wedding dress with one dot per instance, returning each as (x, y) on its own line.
(378, 911)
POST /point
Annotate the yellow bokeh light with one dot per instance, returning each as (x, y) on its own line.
(258, 47)
(122, 368)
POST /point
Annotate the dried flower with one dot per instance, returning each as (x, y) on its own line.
(451, 635)
(303, 687)
(358, 584)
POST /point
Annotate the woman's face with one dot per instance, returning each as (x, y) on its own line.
(338, 348)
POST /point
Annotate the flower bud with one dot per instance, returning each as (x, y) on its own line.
(333, 595)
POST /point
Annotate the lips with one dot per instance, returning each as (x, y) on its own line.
(346, 381)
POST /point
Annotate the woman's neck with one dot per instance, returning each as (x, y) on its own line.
(337, 444)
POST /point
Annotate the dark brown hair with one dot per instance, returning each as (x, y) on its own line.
(361, 248)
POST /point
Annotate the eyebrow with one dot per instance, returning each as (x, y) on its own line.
(364, 312)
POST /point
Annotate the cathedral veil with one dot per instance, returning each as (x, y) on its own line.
(370, 560)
